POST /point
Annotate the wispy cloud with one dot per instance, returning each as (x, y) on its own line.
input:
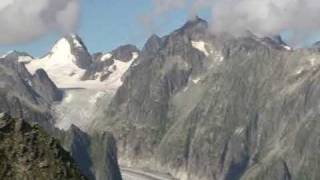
(264, 17)
(268, 17)
(24, 20)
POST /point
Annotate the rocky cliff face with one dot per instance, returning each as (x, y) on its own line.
(207, 107)
(24, 95)
(27, 152)
(193, 104)
(96, 154)
(33, 97)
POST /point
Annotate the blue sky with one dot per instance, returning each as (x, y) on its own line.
(107, 24)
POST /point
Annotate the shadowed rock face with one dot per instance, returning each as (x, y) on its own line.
(96, 154)
(206, 107)
(27, 152)
(44, 85)
(124, 53)
(104, 64)
(25, 96)
(77, 143)
(80, 51)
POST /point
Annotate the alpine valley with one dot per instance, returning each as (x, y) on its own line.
(189, 105)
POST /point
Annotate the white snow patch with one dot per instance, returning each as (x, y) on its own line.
(118, 69)
(29, 83)
(196, 81)
(288, 48)
(75, 41)
(24, 59)
(106, 57)
(68, 98)
(78, 108)
(201, 46)
(312, 61)
(299, 71)
(135, 55)
(239, 130)
(220, 58)
(93, 99)
(185, 89)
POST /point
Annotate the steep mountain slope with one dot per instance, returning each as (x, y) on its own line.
(27, 152)
(24, 95)
(70, 65)
(65, 63)
(36, 97)
(193, 104)
(96, 153)
(207, 107)
(81, 76)
(143, 99)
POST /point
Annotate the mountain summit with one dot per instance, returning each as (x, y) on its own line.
(70, 65)
(210, 107)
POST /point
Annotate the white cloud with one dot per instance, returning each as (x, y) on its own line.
(24, 20)
(264, 17)
(267, 17)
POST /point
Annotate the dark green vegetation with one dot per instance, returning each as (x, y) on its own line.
(28, 153)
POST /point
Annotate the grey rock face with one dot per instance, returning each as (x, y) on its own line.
(25, 96)
(102, 63)
(104, 155)
(96, 154)
(124, 53)
(43, 84)
(32, 96)
(14, 55)
(80, 51)
(153, 44)
(248, 110)
(139, 112)
(77, 143)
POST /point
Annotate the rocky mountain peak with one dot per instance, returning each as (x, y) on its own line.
(76, 41)
(18, 56)
(124, 53)
(72, 46)
(152, 44)
(195, 22)
(195, 25)
(276, 42)
(273, 41)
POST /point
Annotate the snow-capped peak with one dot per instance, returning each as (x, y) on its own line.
(61, 48)
(73, 41)
(72, 46)
(76, 41)
(60, 64)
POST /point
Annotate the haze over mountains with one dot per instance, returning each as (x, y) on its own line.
(193, 104)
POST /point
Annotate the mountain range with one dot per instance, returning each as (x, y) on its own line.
(196, 105)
